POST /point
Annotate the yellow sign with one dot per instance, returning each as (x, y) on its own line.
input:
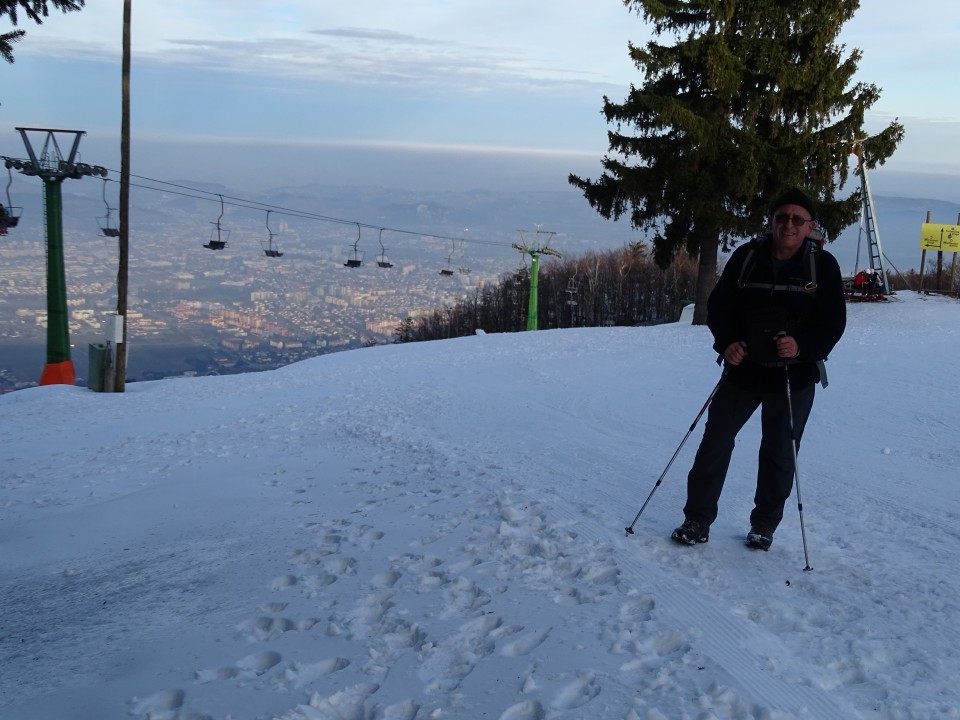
(940, 237)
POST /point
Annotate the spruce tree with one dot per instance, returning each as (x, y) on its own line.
(745, 99)
(36, 10)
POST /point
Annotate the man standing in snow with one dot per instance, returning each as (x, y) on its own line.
(776, 312)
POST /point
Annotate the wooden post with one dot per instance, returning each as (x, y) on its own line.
(953, 269)
(923, 260)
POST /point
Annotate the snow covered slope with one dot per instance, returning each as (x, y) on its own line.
(436, 531)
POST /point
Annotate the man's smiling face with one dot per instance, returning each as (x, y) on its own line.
(790, 226)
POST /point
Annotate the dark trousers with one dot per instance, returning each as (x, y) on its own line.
(730, 409)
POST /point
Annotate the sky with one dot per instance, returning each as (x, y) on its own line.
(436, 530)
(425, 94)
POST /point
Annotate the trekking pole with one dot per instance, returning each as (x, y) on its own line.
(676, 452)
(796, 469)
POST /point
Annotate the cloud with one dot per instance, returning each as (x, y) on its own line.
(378, 35)
(421, 44)
(377, 56)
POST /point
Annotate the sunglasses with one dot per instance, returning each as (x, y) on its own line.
(797, 220)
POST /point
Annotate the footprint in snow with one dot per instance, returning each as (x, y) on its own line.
(405, 710)
(386, 579)
(369, 538)
(258, 663)
(342, 566)
(638, 609)
(577, 693)
(283, 582)
(351, 703)
(262, 629)
(525, 644)
(314, 583)
(447, 663)
(309, 558)
(164, 704)
(526, 710)
(299, 674)
(463, 595)
(250, 666)
(650, 652)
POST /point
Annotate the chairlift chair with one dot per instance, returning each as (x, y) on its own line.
(383, 262)
(9, 218)
(220, 242)
(357, 259)
(107, 226)
(9, 215)
(269, 250)
(448, 270)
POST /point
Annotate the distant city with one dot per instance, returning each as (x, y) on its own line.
(195, 311)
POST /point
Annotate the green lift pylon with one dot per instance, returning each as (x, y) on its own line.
(52, 167)
(535, 253)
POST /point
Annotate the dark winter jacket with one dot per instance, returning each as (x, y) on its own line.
(751, 288)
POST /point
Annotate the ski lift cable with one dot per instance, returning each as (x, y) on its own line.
(200, 194)
(292, 212)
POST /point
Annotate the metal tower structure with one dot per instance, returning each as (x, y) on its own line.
(52, 166)
(535, 253)
(868, 223)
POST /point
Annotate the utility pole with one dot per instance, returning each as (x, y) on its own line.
(535, 253)
(120, 371)
(52, 167)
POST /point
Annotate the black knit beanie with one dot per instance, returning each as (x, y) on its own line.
(794, 197)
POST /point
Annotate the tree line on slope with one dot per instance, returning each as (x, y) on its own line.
(602, 289)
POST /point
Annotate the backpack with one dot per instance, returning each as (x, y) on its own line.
(811, 246)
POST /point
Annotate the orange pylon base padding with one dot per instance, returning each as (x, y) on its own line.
(60, 373)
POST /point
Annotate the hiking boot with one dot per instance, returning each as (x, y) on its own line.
(691, 533)
(759, 538)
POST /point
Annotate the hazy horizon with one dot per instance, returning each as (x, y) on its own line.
(433, 96)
